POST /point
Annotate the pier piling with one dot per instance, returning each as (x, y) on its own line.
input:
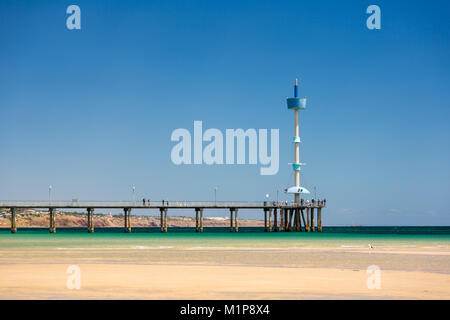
(275, 219)
(293, 222)
(161, 211)
(90, 212)
(234, 217)
(299, 222)
(286, 219)
(290, 220)
(127, 220)
(307, 220)
(270, 220)
(265, 220)
(312, 220)
(201, 219)
(294, 218)
(231, 219)
(52, 220)
(13, 220)
(196, 219)
(319, 219)
(303, 218)
(165, 219)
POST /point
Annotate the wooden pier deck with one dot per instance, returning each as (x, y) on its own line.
(278, 216)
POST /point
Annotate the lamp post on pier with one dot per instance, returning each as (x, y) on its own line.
(215, 196)
(50, 194)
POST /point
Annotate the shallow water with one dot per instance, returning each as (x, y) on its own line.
(346, 238)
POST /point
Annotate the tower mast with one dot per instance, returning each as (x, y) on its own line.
(297, 148)
(296, 104)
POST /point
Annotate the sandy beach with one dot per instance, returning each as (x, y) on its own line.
(112, 281)
(223, 274)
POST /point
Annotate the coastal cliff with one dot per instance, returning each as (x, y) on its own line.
(74, 220)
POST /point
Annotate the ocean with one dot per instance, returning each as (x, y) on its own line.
(221, 238)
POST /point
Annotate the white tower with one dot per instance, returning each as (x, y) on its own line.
(296, 104)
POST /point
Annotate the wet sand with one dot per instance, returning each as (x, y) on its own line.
(113, 281)
(224, 274)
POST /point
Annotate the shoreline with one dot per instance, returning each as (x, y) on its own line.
(325, 258)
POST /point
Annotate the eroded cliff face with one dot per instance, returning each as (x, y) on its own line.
(79, 220)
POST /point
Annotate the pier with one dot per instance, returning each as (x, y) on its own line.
(278, 217)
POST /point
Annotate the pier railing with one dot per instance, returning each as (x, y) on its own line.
(140, 204)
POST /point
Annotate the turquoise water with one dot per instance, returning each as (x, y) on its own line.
(221, 238)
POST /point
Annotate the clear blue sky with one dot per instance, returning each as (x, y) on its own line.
(91, 111)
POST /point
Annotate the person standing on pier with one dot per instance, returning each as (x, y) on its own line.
(143, 201)
(148, 202)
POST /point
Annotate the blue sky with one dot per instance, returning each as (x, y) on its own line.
(91, 111)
